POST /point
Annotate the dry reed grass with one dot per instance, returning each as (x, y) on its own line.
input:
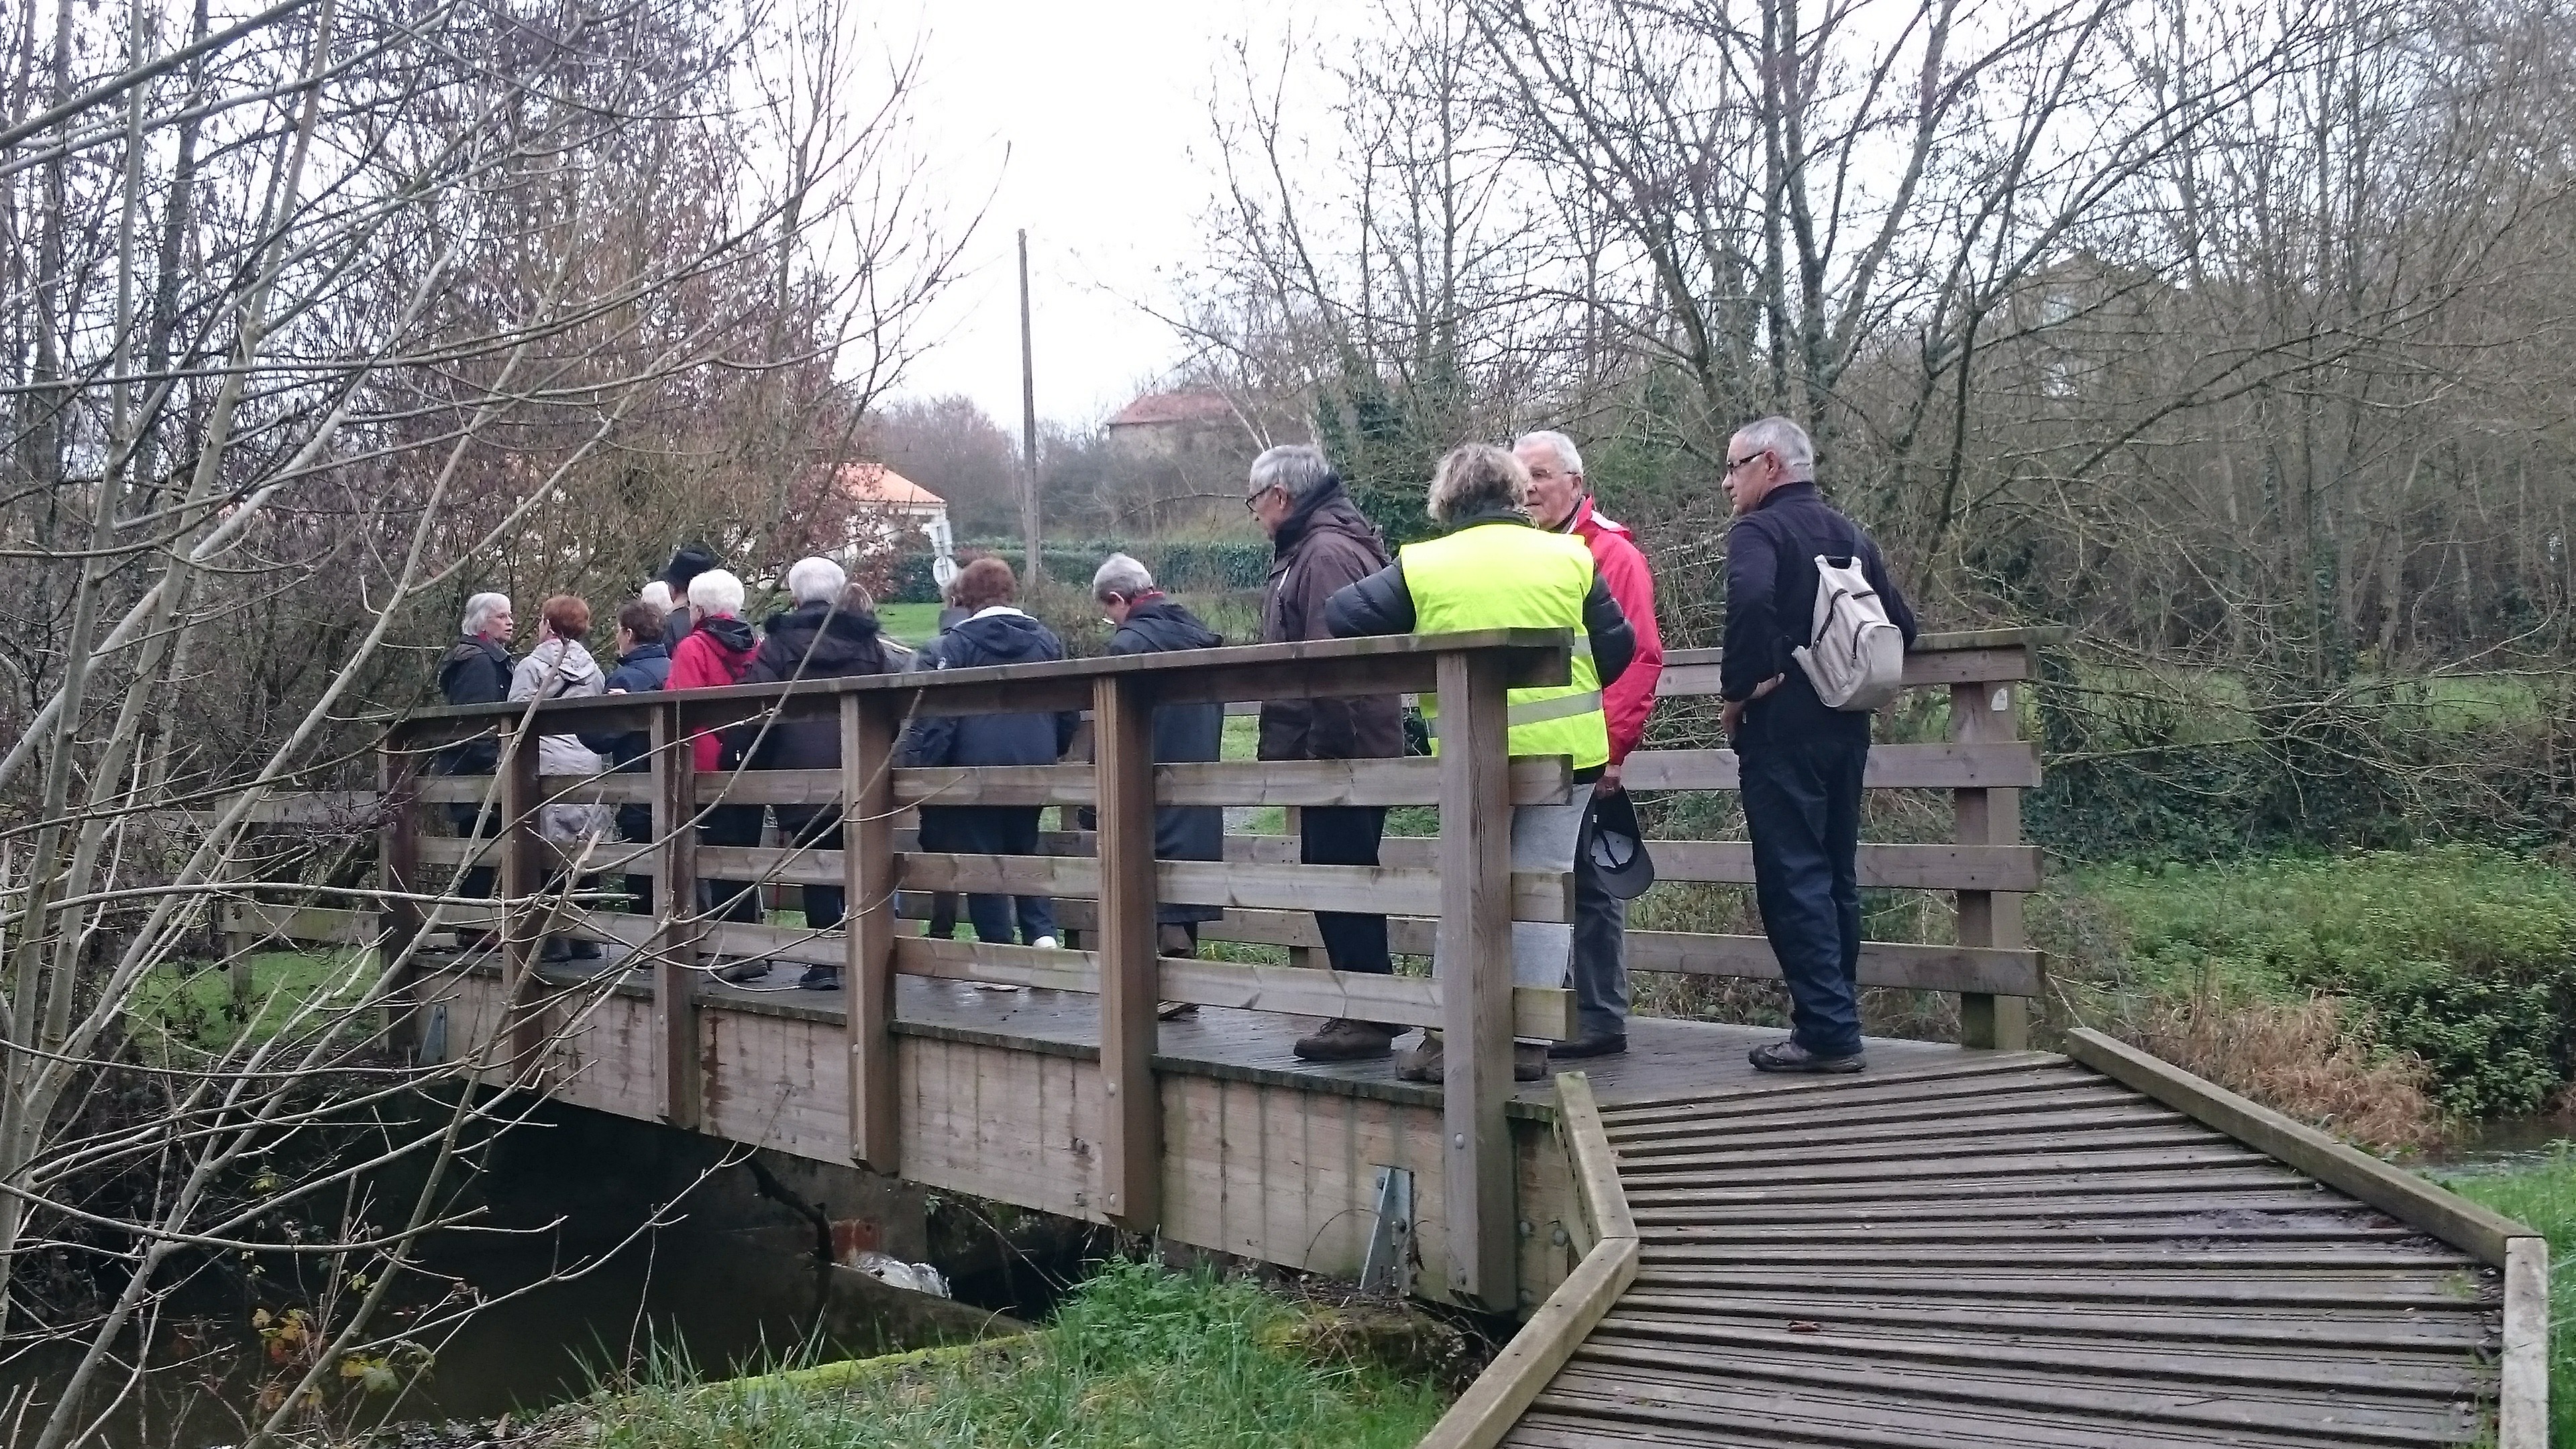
(2300, 1058)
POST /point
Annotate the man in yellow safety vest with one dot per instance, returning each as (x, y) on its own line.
(1493, 570)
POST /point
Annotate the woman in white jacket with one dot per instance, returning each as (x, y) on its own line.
(560, 668)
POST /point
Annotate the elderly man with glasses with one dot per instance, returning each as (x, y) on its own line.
(1319, 542)
(1800, 761)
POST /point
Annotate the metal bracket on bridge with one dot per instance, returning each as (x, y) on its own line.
(1388, 1268)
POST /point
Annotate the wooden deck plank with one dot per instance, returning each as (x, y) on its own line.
(2122, 1390)
(2445, 1370)
(2373, 1330)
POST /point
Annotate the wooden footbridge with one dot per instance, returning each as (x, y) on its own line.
(1971, 1244)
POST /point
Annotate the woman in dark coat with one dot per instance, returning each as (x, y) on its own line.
(832, 632)
(993, 633)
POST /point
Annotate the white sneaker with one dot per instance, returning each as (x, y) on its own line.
(1044, 943)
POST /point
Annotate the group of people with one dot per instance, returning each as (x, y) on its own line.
(1522, 544)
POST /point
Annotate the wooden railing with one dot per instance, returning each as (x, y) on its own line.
(1452, 896)
(1984, 766)
(1465, 882)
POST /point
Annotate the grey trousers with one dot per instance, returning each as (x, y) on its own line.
(1544, 837)
(1600, 952)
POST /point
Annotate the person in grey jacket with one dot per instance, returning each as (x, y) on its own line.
(559, 667)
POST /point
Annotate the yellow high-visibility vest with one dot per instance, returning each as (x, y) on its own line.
(1512, 576)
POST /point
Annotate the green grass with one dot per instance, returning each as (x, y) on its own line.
(911, 623)
(2462, 955)
(1137, 1356)
(2542, 1194)
(189, 1008)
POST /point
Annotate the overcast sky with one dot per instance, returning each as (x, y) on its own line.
(1092, 120)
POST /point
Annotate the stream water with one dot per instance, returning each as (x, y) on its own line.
(727, 1303)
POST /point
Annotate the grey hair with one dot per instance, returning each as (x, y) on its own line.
(814, 581)
(1477, 478)
(1784, 439)
(717, 591)
(1296, 469)
(1566, 455)
(1121, 575)
(480, 609)
(658, 594)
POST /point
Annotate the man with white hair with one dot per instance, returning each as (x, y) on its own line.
(1560, 500)
(1319, 542)
(1800, 761)
(828, 634)
(476, 670)
(1492, 570)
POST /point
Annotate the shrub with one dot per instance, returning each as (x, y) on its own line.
(2463, 956)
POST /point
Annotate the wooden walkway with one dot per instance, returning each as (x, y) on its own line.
(2014, 1251)
(1971, 1244)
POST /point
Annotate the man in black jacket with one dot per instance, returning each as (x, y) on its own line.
(476, 670)
(826, 636)
(687, 562)
(1149, 622)
(1801, 762)
(994, 633)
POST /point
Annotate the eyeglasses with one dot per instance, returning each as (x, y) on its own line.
(1734, 463)
(1252, 505)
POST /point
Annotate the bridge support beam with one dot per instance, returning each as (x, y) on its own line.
(1122, 737)
(1473, 949)
(867, 973)
(1984, 712)
(678, 1076)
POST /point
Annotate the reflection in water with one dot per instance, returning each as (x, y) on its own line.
(729, 1302)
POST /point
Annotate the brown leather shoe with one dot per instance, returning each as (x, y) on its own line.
(1424, 1063)
(1345, 1040)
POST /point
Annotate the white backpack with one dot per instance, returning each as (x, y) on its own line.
(1857, 658)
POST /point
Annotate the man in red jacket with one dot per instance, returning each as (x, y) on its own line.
(1560, 499)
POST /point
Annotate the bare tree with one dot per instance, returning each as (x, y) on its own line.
(320, 316)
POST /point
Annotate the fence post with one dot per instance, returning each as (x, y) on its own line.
(868, 879)
(1122, 733)
(1474, 954)
(674, 951)
(1983, 711)
(522, 876)
(398, 917)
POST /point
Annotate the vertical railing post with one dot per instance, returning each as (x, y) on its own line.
(398, 877)
(1983, 711)
(1474, 954)
(1122, 733)
(868, 878)
(676, 926)
(522, 876)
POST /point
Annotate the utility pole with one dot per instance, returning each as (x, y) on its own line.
(1036, 564)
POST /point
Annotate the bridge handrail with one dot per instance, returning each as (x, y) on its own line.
(1471, 890)
(1608, 1243)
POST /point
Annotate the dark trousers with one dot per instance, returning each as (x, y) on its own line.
(815, 827)
(1802, 808)
(943, 915)
(1347, 835)
(731, 900)
(481, 881)
(1002, 830)
(1600, 948)
(635, 827)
